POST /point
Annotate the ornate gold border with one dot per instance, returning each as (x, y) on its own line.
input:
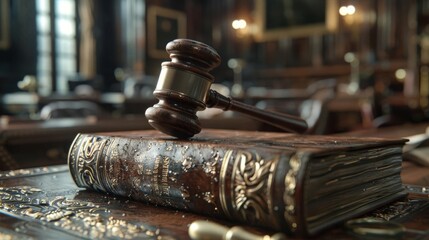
(84, 161)
(249, 183)
(80, 219)
(222, 183)
(291, 182)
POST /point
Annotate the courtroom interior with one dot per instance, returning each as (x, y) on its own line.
(345, 67)
(87, 65)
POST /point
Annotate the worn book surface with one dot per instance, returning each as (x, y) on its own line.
(299, 184)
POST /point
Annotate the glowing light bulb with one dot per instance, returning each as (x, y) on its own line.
(400, 74)
(343, 11)
(239, 24)
(347, 10)
(351, 9)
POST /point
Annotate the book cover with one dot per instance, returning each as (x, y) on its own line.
(298, 184)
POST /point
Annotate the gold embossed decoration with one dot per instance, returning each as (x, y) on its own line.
(85, 161)
(251, 187)
(289, 193)
(77, 218)
(32, 171)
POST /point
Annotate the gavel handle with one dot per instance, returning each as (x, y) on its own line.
(283, 121)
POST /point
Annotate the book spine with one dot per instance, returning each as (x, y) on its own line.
(259, 186)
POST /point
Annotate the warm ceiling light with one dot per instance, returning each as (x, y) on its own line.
(347, 10)
(239, 24)
(351, 9)
(343, 11)
(400, 74)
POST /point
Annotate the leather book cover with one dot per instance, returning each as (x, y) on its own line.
(298, 184)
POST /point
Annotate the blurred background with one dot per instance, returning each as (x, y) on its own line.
(70, 66)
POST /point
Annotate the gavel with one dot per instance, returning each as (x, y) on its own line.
(183, 88)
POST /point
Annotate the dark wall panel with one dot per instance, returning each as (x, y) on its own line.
(20, 58)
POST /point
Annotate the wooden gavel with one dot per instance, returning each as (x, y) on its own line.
(183, 88)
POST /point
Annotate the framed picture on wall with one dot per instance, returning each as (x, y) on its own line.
(4, 24)
(164, 25)
(277, 19)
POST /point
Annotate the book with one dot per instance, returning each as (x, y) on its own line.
(297, 184)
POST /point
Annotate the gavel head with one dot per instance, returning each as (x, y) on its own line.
(182, 88)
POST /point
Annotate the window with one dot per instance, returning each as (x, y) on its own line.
(56, 44)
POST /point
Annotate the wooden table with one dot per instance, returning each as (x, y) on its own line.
(45, 203)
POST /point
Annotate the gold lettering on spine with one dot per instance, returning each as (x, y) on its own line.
(155, 175)
(164, 179)
(160, 175)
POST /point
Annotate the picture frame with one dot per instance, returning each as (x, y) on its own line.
(4, 24)
(164, 25)
(300, 18)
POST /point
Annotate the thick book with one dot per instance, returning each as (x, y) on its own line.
(298, 184)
